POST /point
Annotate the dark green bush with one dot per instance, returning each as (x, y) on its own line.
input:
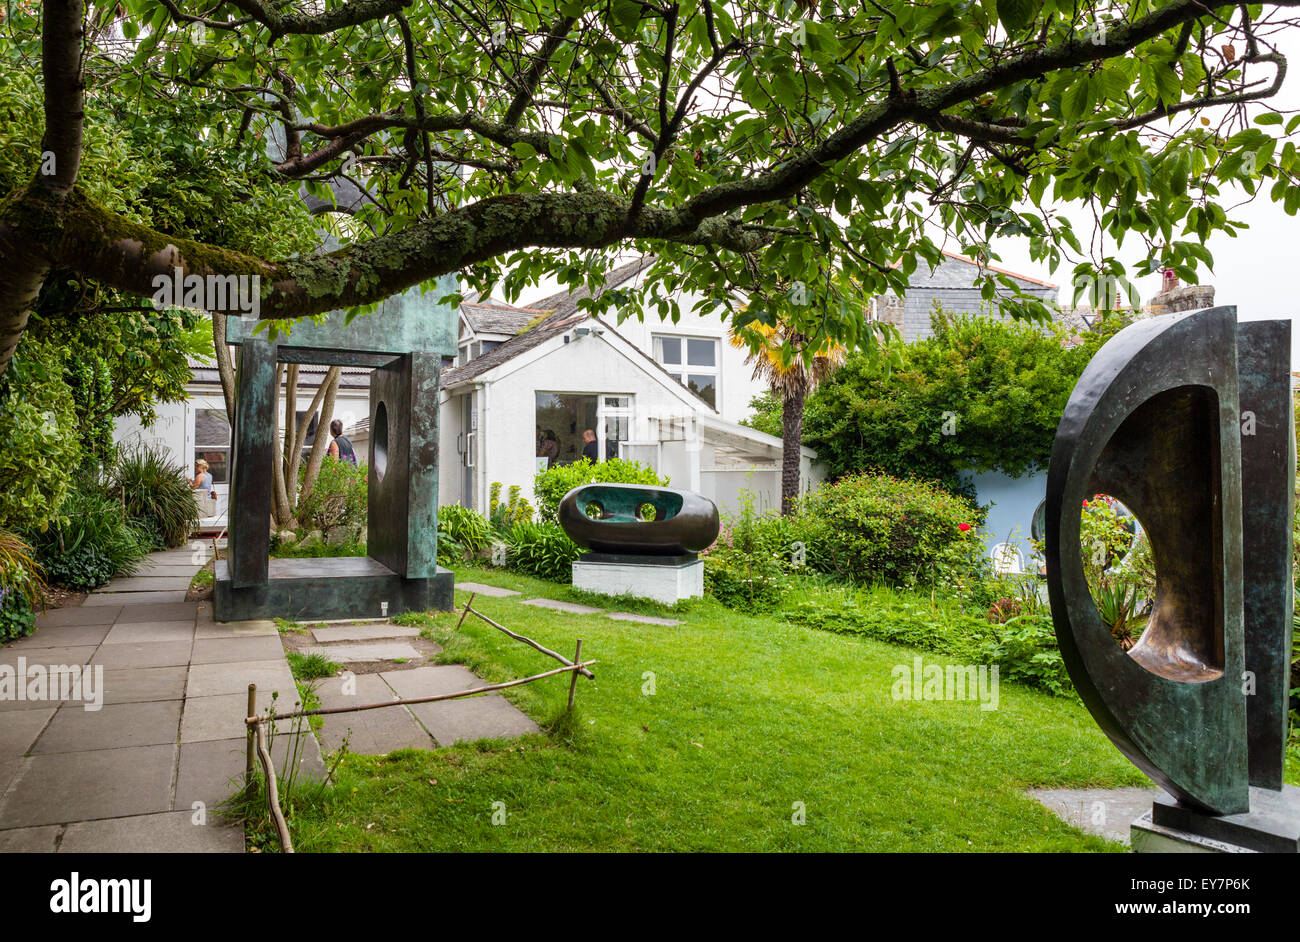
(746, 582)
(542, 550)
(551, 485)
(156, 494)
(16, 616)
(873, 527)
(464, 526)
(338, 498)
(91, 543)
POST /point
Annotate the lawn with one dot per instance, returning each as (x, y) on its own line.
(748, 716)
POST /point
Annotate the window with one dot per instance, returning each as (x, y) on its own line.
(562, 421)
(693, 362)
(212, 442)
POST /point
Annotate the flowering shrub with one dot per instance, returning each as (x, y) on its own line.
(873, 527)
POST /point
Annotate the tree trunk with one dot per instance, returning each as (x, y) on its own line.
(331, 387)
(280, 509)
(225, 370)
(791, 443)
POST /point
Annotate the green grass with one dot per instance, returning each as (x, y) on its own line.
(749, 715)
(310, 666)
(202, 579)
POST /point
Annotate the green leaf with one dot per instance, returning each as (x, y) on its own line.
(1016, 15)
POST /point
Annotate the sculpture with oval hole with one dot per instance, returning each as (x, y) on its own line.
(639, 519)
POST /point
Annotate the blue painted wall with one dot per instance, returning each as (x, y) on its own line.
(1013, 503)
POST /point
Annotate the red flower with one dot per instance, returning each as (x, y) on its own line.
(1085, 503)
(963, 527)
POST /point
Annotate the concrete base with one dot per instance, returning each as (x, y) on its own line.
(667, 580)
(1271, 826)
(330, 587)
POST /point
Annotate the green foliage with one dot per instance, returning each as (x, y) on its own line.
(514, 509)
(156, 494)
(551, 485)
(21, 582)
(873, 527)
(338, 499)
(310, 666)
(979, 394)
(38, 438)
(91, 543)
(465, 525)
(320, 550)
(743, 570)
(16, 616)
(542, 550)
(1024, 647)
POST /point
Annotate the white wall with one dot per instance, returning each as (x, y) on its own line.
(738, 386)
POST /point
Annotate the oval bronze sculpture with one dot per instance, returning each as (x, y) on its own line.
(683, 522)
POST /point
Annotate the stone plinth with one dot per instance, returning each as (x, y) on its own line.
(1271, 826)
(666, 579)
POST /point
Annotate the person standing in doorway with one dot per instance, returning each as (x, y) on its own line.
(590, 450)
(341, 448)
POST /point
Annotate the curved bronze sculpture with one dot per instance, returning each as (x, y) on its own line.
(1156, 421)
(683, 522)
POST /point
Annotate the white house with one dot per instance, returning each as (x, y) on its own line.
(668, 394)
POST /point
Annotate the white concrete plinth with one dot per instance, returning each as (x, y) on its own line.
(668, 583)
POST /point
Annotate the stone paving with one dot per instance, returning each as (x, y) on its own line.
(1106, 812)
(147, 769)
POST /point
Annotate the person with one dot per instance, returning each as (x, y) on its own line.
(341, 448)
(590, 450)
(550, 448)
(202, 478)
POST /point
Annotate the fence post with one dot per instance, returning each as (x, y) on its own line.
(573, 676)
(252, 711)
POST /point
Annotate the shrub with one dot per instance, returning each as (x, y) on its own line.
(38, 438)
(91, 542)
(466, 526)
(338, 499)
(542, 550)
(744, 569)
(505, 514)
(551, 485)
(870, 527)
(156, 495)
(21, 581)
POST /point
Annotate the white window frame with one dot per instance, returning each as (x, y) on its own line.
(679, 371)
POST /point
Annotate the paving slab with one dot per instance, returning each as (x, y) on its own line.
(487, 717)
(357, 653)
(209, 630)
(148, 584)
(62, 617)
(38, 840)
(168, 569)
(21, 728)
(248, 648)
(371, 732)
(157, 611)
(143, 654)
(10, 766)
(644, 619)
(1106, 812)
(179, 557)
(151, 631)
(212, 771)
(431, 681)
(570, 607)
(76, 729)
(61, 637)
(169, 833)
(144, 684)
(118, 599)
(363, 633)
(478, 588)
(71, 654)
(82, 786)
(211, 680)
(222, 717)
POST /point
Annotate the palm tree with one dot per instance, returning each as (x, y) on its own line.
(790, 382)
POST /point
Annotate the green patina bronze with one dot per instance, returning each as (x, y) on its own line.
(1186, 420)
(612, 518)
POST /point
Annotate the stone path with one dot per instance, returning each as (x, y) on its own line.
(1106, 812)
(146, 770)
(421, 726)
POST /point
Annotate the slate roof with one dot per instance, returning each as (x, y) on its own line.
(946, 275)
(564, 314)
(496, 318)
